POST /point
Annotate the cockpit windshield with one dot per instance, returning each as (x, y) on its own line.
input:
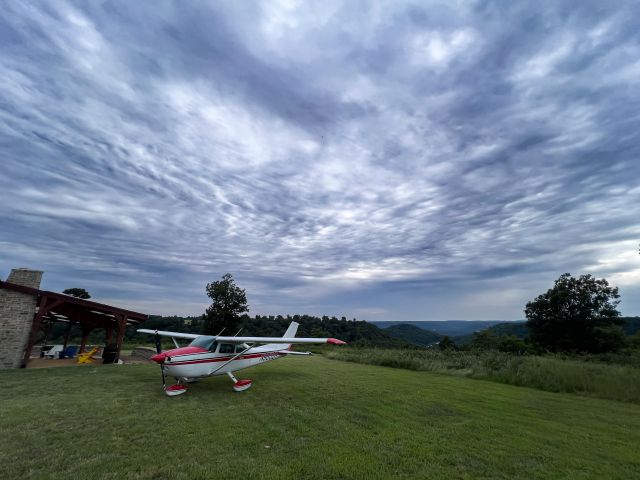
(204, 342)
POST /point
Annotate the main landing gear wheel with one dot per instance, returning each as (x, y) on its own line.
(239, 385)
(242, 385)
(175, 390)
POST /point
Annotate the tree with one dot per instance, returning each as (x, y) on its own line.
(446, 344)
(576, 315)
(484, 340)
(229, 301)
(512, 344)
(77, 292)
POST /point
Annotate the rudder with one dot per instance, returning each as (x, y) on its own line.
(291, 331)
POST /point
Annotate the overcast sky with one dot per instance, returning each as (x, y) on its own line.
(379, 160)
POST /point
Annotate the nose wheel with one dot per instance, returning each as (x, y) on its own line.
(175, 390)
(239, 385)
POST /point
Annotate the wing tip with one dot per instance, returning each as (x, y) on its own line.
(335, 341)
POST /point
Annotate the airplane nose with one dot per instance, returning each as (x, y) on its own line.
(159, 357)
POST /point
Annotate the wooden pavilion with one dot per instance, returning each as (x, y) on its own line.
(57, 307)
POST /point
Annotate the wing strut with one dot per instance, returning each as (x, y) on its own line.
(232, 359)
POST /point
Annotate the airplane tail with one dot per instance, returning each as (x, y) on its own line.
(291, 331)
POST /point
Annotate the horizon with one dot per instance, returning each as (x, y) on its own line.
(389, 160)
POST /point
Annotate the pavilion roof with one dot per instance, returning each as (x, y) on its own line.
(66, 308)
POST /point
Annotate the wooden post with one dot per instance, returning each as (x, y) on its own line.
(47, 332)
(67, 334)
(86, 331)
(122, 324)
(44, 308)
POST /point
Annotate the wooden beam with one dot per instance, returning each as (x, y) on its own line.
(46, 305)
(88, 304)
(83, 315)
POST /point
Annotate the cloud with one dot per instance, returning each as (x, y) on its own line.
(336, 158)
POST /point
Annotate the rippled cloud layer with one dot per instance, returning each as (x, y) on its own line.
(383, 160)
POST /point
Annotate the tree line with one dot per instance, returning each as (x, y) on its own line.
(577, 315)
(355, 332)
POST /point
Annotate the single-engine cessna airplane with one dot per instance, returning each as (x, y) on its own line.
(207, 356)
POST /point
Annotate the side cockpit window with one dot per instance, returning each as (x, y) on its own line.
(226, 348)
(205, 342)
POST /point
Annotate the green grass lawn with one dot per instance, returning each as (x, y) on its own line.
(305, 418)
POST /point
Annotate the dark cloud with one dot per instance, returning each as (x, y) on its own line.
(385, 161)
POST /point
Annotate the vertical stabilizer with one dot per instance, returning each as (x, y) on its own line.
(291, 331)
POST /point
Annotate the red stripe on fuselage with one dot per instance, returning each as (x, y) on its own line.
(185, 351)
(223, 359)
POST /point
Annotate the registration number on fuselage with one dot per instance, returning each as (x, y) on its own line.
(269, 356)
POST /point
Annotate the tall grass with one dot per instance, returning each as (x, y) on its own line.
(551, 373)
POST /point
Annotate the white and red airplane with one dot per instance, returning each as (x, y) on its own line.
(207, 356)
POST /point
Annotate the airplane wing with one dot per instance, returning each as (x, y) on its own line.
(285, 340)
(288, 338)
(190, 336)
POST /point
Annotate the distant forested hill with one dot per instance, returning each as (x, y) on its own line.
(412, 334)
(355, 332)
(451, 328)
(516, 329)
(630, 326)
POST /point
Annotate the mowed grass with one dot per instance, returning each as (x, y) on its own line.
(305, 418)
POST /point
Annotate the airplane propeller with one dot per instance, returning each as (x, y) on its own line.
(158, 343)
(159, 350)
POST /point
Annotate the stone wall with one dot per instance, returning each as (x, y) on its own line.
(16, 316)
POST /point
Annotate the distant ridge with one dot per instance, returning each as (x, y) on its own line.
(413, 335)
(451, 328)
(462, 331)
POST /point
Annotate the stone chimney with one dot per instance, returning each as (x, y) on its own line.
(16, 316)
